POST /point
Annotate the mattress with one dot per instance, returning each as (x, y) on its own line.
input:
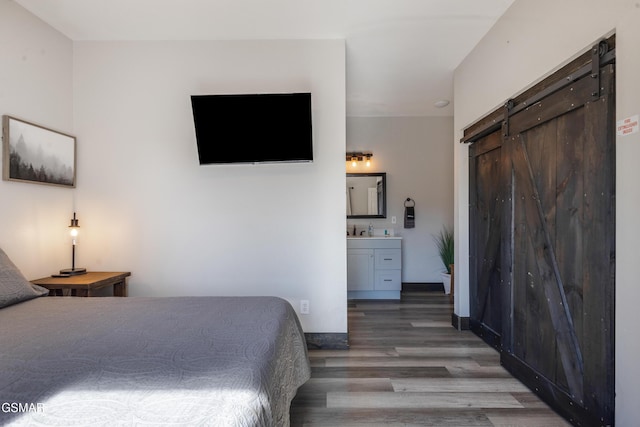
(215, 361)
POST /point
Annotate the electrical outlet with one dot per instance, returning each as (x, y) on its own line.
(393, 220)
(304, 306)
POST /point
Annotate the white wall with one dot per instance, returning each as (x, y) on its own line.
(527, 44)
(36, 86)
(184, 229)
(144, 203)
(417, 155)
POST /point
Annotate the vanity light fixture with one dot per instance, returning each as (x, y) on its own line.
(356, 157)
(73, 231)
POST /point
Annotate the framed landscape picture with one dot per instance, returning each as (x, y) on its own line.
(32, 153)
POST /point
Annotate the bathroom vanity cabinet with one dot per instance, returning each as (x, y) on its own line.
(374, 267)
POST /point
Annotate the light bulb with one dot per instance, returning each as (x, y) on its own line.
(74, 232)
(368, 156)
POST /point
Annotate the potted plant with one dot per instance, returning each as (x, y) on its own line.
(444, 243)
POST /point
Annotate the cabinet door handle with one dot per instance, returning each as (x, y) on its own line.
(388, 259)
(388, 280)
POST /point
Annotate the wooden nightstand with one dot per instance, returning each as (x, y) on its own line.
(86, 285)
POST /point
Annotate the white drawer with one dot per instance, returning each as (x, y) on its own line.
(388, 259)
(388, 280)
(374, 243)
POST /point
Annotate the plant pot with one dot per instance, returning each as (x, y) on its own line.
(446, 282)
(453, 280)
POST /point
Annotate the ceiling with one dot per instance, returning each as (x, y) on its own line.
(400, 54)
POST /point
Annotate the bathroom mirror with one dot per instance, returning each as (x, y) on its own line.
(367, 195)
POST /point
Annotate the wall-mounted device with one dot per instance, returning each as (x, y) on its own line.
(253, 128)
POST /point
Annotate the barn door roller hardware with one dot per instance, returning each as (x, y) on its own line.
(508, 110)
(598, 51)
(601, 54)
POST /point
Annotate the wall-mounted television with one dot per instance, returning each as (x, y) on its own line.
(253, 128)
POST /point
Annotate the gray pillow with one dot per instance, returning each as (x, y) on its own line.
(14, 288)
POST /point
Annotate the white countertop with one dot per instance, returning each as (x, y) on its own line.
(375, 237)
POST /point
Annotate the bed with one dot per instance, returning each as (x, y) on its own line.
(215, 361)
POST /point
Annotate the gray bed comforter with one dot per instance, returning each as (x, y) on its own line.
(215, 361)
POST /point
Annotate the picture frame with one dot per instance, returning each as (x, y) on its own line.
(36, 154)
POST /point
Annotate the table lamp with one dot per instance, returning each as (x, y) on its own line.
(73, 230)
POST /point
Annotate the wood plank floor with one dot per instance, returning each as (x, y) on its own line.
(407, 366)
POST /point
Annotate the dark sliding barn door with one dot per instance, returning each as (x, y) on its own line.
(543, 291)
(485, 215)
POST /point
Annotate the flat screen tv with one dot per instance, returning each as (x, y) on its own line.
(253, 128)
